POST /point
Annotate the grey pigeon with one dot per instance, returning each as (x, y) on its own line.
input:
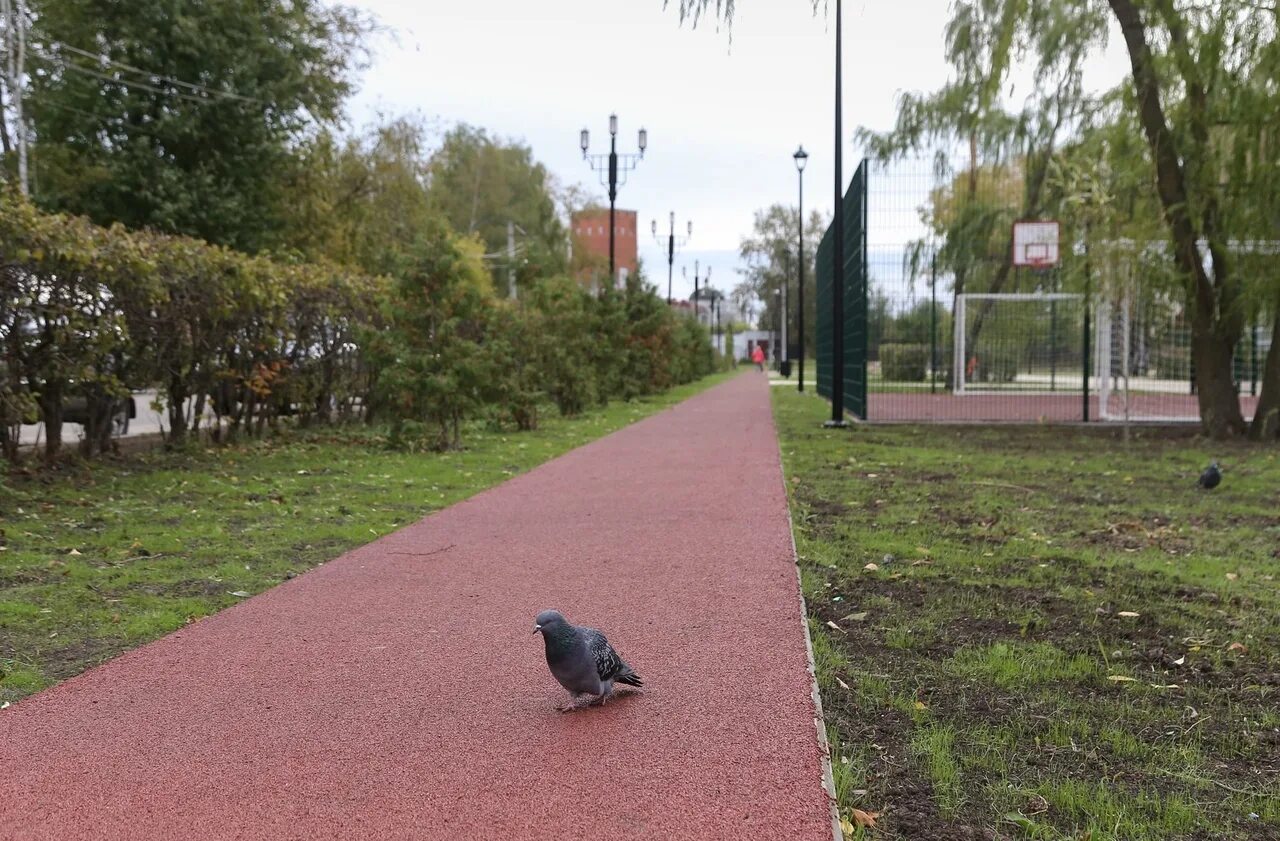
(581, 659)
(1210, 478)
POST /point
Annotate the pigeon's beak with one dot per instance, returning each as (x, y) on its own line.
(537, 628)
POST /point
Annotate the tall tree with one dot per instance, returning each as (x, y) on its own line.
(481, 184)
(363, 200)
(1189, 66)
(182, 115)
(770, 256)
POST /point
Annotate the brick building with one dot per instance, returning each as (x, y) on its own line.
(591, 244)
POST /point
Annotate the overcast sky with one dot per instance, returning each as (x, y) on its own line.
(723, 118)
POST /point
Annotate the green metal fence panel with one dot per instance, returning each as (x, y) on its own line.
(822, 279)
(854, 375)
(855, 294)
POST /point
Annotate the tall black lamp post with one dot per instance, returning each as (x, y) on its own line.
(673, 242)
(801, 158)
(837, 255)
(614, 165)
(706, 278)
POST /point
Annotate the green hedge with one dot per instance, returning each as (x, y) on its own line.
(904, 362)
(90, 313)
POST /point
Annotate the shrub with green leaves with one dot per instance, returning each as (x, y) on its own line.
(903, 362)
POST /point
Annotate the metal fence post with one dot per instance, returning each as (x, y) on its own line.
(1253, 359)
(933, 324)
(1084, 348)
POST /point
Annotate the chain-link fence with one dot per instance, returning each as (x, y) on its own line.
(956, 331)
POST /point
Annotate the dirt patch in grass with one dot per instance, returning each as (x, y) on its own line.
(1024, 663)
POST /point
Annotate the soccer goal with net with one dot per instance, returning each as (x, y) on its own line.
(1025, 343)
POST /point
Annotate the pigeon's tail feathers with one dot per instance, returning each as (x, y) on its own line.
(630, 678)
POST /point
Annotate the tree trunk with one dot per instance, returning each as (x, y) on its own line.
(51, 413)
(1215, 386)
(1215, 324)
(177, 413)
(1266, 420)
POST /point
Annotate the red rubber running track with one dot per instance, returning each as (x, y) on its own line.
(397, 692)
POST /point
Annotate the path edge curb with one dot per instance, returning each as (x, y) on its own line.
(819, 720)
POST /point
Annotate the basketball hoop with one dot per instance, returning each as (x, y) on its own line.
(1035, 244)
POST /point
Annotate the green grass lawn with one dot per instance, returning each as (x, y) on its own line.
(1060, 638)
(106, 556)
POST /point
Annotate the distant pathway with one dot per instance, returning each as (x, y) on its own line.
(397, 692)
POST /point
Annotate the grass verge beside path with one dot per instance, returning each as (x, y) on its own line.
(110, 555)
(1060, 638)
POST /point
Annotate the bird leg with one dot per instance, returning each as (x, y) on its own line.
(573, 704)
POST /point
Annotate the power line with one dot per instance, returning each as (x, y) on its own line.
(68, 64)
(156, 76)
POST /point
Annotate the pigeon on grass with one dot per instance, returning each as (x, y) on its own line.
(581, 659)
(1210, 478)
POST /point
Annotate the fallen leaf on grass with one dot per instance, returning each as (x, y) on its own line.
(1180, 660)
(855, 617)
(240, 594)
(74, 552)
(1122, 678)
(833, 626)
(872, 567)
(922, 562)
(843, 685)
(920, 705)
(1231, 576)
(1164, 686)
(1128, 614)
(867, 819)
(1238, 646)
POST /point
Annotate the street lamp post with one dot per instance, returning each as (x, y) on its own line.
(780, 319)
(673, 242)
(616, 166)
(706, 278)
(801, 158)
(837, 254)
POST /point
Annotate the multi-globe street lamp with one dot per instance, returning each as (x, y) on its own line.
(613, 169)
(801, 158)
(673, 242)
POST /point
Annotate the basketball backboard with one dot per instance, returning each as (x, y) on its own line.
(1035, 244)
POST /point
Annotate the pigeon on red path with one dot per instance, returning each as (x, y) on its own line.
(581, 659)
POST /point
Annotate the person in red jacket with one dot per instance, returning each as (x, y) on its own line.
(757, 356)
